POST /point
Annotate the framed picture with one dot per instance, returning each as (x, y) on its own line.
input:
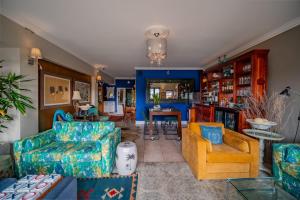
(84, 90)
(57, 90)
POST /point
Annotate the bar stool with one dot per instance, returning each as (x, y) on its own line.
(170, 126)
(155, 132)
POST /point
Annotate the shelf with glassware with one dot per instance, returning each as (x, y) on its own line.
(226, 85)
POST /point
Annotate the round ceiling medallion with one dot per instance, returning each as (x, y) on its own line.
(157, 31)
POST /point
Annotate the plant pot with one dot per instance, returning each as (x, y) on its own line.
(156, 107)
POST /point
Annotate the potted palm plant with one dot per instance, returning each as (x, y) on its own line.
(10, 99)
(156, 101)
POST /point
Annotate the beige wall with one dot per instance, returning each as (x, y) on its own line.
(15, 36)
(284, 70)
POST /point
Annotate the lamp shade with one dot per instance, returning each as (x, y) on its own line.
(76, 95)
(36, 53)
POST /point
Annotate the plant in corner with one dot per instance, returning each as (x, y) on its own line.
(11, 96)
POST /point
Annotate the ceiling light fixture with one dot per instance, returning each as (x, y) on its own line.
(99, 67)
(157, 43)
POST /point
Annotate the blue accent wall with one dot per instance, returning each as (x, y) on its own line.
(142, 75)
(124, 83)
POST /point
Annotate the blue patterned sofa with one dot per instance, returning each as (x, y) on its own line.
(286, 167)
(80, 149)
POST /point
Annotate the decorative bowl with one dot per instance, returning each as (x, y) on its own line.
(84, 107)
(265, 125)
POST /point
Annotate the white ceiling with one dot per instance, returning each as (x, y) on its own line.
(111, 32)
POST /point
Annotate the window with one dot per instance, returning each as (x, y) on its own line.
(154, 91)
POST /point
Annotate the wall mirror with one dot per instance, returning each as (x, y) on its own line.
(169, 90)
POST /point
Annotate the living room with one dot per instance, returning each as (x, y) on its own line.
(149, 100)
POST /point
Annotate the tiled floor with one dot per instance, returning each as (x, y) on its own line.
(161, 150)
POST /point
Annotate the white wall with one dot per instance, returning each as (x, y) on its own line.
(15, 36)
(11, 64)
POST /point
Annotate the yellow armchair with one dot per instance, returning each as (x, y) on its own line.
(237, 157)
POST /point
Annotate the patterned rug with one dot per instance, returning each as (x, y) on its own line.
(110, 188)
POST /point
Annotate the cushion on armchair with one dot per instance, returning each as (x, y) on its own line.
(212, 133)
(236, 143)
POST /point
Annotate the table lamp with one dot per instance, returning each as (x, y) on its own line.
(76, 98)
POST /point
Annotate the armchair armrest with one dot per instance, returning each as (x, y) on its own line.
(233, 136)
(29, 144)
(198, 161)
(279, 150)
(108, 150)
(253, 148)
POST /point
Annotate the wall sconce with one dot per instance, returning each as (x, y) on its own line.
(35, 54)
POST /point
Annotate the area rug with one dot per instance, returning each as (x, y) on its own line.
(175, 181)
(110, 188)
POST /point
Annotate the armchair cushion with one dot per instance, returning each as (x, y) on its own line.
(226, 154)
(212, 133)
(292, 154)
(236, 142)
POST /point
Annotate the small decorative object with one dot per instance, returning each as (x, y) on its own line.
(126, 158)
(56, 90)
(84, 90)
(262, 124)
(85, 107)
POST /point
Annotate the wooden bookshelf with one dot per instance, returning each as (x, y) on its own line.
(228, 84)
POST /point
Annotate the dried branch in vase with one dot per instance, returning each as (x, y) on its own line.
(274, 108)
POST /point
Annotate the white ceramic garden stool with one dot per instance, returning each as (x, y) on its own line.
(126, 158)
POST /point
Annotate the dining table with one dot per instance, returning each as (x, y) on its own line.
(165, 112)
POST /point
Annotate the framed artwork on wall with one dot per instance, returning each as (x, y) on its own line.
(84, 90)
(57, 90)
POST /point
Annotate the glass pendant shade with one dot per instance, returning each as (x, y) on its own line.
(156, 50)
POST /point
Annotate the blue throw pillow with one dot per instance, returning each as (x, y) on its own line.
(212, 133)
(292, 154)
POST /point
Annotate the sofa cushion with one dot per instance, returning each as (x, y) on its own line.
(83, 152)
(292, 154)
(212, 133)
(224, 153)
(82, 131)
(65, 152)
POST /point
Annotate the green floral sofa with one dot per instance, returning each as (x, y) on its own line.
(286, 167)
(80, 149)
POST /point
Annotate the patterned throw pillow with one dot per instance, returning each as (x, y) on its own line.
(212, 133)
(292, 154)
(69, 117)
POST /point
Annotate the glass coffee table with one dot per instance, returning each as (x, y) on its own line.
(262, 188)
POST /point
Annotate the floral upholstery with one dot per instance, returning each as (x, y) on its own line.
(82, 131)
(83, 153)
(286, 167)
